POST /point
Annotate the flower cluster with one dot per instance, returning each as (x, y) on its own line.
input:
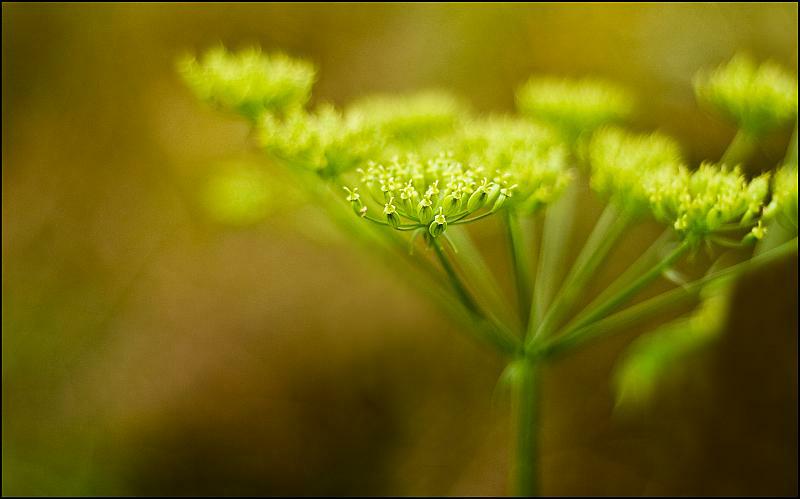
(410, 119)
(249, 82)
(574, 106)
(783, 206)
(523, 155)
(417, 193)
(324, 141)
(621, 161)
(712, 198)
(756, 98)
(490, 164)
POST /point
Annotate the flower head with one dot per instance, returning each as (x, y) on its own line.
(409, 119)
(574, 107)
(527, 161)
(323, 141)
(758, 98)
(249, 82)
(427, 193)
(712, 198)
(620, 161)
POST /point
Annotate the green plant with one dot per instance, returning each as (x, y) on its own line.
(406, 174)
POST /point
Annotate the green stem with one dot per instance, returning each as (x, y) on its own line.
(420, 272)
(606, 232)
(526, 407)
(740, 150)
(597, 311)
(576, 336)
(520, 264)
(478, 273)
(455, 281)
(497, 334)
(641, 264)
(555, 238)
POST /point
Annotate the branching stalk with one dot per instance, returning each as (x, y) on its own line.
(520, 265)
(597, 311)
(478, 272)
(503, 340)
(576, 336)
(605, 234)
(555, 238)
(741, 148)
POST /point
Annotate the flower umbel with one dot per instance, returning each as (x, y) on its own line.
(323, 141)
(410, 119)
(249, 82)
(621, 161)
(418, 192)
(574, 107)
(712, 198)
(758, 98)
(524, 158)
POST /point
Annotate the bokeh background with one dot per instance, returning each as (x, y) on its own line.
(150, 349)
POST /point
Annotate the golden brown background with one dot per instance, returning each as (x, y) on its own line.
(149, 350)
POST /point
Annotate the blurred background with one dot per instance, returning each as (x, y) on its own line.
(150, 347)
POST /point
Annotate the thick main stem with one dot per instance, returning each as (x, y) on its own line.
(526, 408)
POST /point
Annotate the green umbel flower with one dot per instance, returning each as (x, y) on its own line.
(757, 98)
(620, 161)
(249, 82)
(574, 107)
(414, 192)
(435, 192)
(410, 119)
(713, 198)
(528, 159)
(324, 141)
(783, 206)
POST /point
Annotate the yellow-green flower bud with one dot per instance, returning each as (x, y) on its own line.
(355, 201)
(494, 193)
(505, 193)
(477, 199)
(439, 224)
(452, 203)
(409, 198)
(425, 211)
(392, 216)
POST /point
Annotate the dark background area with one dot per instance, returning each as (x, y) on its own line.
(150, 350)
